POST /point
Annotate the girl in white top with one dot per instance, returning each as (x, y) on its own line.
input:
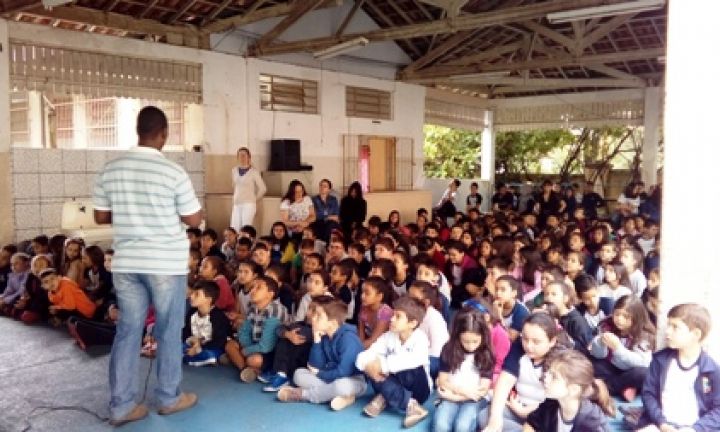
(249, 187)
(616, 282)
(433, 325)
(466, 367)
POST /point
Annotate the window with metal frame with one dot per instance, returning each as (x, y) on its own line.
(279, 93)
(368, 103)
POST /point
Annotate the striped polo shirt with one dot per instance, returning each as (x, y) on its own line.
(146, 194)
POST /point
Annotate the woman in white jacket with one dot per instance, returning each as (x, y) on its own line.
(249, 187)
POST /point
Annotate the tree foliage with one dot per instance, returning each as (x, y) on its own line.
(451, 153)
(520, 152)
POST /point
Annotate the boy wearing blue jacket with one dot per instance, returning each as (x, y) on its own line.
(331, 374)
(682, 386)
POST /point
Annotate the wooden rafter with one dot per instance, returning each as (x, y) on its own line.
(612, 72)
(403, 14)
(388, 22)
(186, 7)
(10, 7)
(111, 5)
(544, 63)
(112, 20)
(147, 9)
(221, 7)
(487, 55)
(603, 30)
(341, 28)
(551, 34)
(258, 15)
(445, 47)
(300, 9)
(462, 22)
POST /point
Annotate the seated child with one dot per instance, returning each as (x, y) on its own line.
(294, 340)
(592, 307)
(433, 325)
(66, 297)
(499, 339)
(330, 375)
(632, 259)
(6, 254)
(467, 363)
(252, 351)
(212, 268)
(98, 280)
(375, 313)
(286, 293)
(562, 297)
(616, 282)
(574, 398)
(356, 251)
(428, 271)
(34, 304)
(20, 265)
(682, 388)
(206, 327)
(623, 348)
(246, 274)
(397, 364)
(507, 305)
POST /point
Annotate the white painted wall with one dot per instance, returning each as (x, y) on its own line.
(231, 106)
(5, 86)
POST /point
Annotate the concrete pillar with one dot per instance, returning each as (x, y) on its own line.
(691, 175)
(193, 126)
(487, 158)
(127, 111)
(7, 228)
(36, 115)
(80, 132)
(651, 135)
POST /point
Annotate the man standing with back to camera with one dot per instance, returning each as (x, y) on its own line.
(145, 197)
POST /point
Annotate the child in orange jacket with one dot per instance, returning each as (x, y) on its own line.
(66, 297)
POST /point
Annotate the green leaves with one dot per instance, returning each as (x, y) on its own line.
(451, 153)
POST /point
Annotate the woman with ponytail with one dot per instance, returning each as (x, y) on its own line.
(575, 400)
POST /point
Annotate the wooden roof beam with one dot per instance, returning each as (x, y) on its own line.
(551, 34)
(447, 45)
(186, 7)
(388, 22)
(299, 10)
(147, 9)
(113, 20)
(487, 55)
(603, 30)
(221, 7)
(10, 6)
(259, 15)
(544, 63)
(446, 25)
(341, 28)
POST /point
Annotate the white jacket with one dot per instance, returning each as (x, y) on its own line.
(395, 356)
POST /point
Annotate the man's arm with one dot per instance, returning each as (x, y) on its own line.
(102, 217)
(193, 220)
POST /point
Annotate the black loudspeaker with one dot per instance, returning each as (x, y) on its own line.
(284, 155)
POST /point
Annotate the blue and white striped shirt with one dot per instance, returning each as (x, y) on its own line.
(146, 194)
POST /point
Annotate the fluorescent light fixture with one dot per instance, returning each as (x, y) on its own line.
(52, 3)
(629, 7)
(341, 48)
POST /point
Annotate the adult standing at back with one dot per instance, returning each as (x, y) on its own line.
(249, 187)
(145, 197)
(353, 210)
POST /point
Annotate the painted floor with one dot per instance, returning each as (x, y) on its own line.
(48, 384)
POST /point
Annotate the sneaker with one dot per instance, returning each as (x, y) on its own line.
(276, 384)
(290, 394)
(185, 401)
(212, 361)
(414, 414)
(267, 377)
(376, 406)
(248, 375)
(137, 413)
(341, 402)
(224, 360)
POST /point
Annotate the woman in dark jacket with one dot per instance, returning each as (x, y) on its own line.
(353, 209)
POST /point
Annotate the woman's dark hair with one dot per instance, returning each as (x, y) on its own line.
(629, 190)
(383, 287)
(244, 149)
(358, 190)
(533, 263)
(290, 194)
(468, 319)
(641, 328)
(283, 242)
(57, 249)
(96, 255)
(329, 183)
(394, 212)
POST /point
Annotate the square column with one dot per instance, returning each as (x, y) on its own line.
(651, 135)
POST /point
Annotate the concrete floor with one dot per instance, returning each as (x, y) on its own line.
(42, 367)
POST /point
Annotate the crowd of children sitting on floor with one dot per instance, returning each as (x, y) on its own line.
(510, 324)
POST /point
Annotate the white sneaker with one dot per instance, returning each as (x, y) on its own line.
(207, 362)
